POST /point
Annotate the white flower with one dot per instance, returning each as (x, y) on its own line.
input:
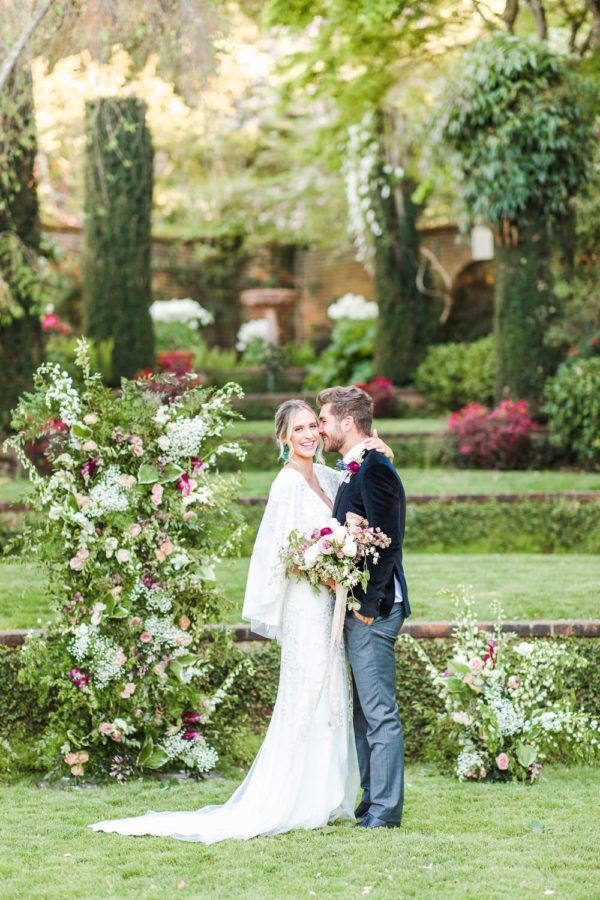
(123, 555)
(254, 330)
(524, 648)
(186, 436)
(312, 555)
(461, 718)
(187, 311)
(353, 306)
(163, 442)
(349, 549)
(110, 545)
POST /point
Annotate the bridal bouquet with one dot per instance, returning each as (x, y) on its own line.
(335, 552)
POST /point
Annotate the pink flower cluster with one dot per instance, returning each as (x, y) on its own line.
(497, 439)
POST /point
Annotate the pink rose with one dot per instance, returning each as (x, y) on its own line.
(502, 762)
(145, 637)
(476, 664)
(137, 450)
(135, 529)
(127, 480)
(157, 494)
(89, 446)
(90, 419)
(71, 759)
(135, 440)
(165, 549)
(127, 690)
(121, 658)
(513, 682)
(76, 563)
(105, 728)
(77, 771)
(117, 736)
(353, 467)
(325, 531)
(83, 756)
(189, 515)
(468, 679)
(184, 623)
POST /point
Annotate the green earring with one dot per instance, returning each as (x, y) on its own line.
(286, 452)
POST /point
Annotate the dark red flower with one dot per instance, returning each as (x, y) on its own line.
(353, 467)
(325, 531)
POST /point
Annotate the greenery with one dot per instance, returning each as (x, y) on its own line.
(541, 840)
(349, 356)
(528, 585)
(522, 157)
(21, 292)
(384, 426)
(130, 568)
(454, 374)
(117, 232)
(573, 409)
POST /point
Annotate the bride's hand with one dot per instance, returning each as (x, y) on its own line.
(375, 443)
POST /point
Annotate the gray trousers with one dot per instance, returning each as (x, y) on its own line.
(377, 725)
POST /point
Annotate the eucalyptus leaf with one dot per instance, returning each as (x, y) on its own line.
(147, 474)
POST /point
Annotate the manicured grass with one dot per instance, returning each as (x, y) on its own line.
(457, 841)
(460, 481)
(416, 481)
(384, 426)
(529, 586)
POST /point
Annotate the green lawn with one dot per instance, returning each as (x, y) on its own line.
(384, 426)
(457, 841)
(416, 481)
(535, 586)
(461, 481)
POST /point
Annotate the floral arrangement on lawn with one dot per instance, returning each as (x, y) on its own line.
(134, 516)
(507, 706)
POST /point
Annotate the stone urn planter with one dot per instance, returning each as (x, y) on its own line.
(277, 306)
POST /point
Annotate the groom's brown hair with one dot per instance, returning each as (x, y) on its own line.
(349, 401)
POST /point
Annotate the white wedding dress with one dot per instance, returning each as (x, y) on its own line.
(305, 774)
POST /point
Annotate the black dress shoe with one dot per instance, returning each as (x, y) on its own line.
(372, 822)
(362, 809)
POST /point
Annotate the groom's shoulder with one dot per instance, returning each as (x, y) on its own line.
(376, 464)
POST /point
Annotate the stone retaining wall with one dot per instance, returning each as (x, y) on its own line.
(421, 630)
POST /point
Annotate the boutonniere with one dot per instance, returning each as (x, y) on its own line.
(353, 464)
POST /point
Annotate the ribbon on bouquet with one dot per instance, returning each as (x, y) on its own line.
(333, 671)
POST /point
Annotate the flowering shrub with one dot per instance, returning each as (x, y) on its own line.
(382, 391)
(506, 703)
(186, 311)
(500, 439)
(176, 361)
(352, 306)
(52, 323)
(573, 406)
(134, 518)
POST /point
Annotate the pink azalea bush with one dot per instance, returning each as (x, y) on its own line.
(496, 439)
(131, 571)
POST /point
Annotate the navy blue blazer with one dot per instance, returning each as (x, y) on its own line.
(377, 494)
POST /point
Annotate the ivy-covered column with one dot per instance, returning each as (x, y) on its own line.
(519, 122)
(20, 331)
(383, 220)
(118, 207)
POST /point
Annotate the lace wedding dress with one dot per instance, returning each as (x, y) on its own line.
(305, 774)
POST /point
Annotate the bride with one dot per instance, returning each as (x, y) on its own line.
(305, 774)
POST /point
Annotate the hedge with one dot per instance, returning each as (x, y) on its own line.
(525, 526)
(255, 380)
(414, 453)
(22, 721)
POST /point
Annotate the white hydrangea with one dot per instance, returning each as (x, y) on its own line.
(254, 330)
(186, 437)
(353, 306)
(186, 311)
(509, 720)
(103, 657)
(165, 634)
(468, 761)
(196, 754)
(60, 391)
(109, 495)
(157, 598)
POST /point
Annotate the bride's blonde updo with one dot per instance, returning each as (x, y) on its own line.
(284, 421)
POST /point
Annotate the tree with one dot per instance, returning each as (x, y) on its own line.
(345, 38)
(20, 332)
(117, 291)
(518, 120)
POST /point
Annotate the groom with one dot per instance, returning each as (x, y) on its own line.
(372, 489)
